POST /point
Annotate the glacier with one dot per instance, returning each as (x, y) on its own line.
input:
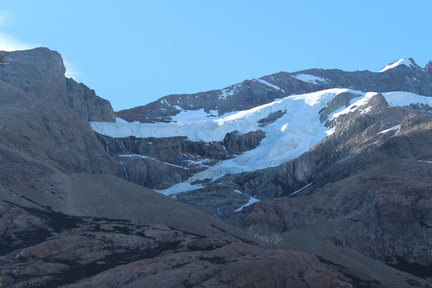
(298, 130)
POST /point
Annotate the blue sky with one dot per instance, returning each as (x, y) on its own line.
(133, 52)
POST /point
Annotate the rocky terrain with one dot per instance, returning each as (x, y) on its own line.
(255, 92)
(353, 210)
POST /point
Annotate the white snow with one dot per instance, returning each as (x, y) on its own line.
(198, 162)
(151, 158)
(393, 99)
(192, 115)
(215, 129)
(288, 137)
(200, 130)
(403, 61)
(252, 200)
(301, 189)
(181, 187)
(424, 161)
(405, 98)
(229, 91)
(396, 127)
(120, 120)
(269, 84)
(356, 103)
(310, 78)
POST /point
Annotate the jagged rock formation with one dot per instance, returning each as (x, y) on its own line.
(37, 113)
(159, 163)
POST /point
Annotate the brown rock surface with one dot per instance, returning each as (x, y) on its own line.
(234, 265)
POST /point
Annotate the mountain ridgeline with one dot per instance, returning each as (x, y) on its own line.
(317, 178)
(255, 92)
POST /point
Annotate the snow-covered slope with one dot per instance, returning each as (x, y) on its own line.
(288, 137)
(404, 61)
(301, 114)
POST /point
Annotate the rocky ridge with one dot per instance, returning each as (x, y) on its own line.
(255, 92)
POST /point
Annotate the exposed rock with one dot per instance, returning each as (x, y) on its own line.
(214, 197)
(33, 90)
(91, 246)
(235, 265)
(339, 101)
(271, 118)
(159, 163)
(251, 93)
(248, 94)
(237, 143)
(152, 173)
(382, 190)
(84, 101)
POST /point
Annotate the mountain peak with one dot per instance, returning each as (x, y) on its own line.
(409, 62)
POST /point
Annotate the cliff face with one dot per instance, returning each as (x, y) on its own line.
(44, 115)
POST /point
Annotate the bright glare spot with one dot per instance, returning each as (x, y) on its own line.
(284, 127)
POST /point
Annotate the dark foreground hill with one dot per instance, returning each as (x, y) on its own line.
(68, 218)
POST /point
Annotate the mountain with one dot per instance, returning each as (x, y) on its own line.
(290, 180)
(295, 154)
(402, 75)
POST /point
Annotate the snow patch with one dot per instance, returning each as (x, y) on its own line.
(269, 84)
(424, 161)
(406, 98)
(182, 187)
(252, 200)
(310, 78)
(120, 120)
(404, 61)
(229, 91)
(396, 127)
(356, 103)
(192, 115)
(301, 189)
(151, 158)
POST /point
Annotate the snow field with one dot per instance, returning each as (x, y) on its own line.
(288, 137)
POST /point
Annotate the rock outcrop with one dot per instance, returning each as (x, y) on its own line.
(235, 265)
(159, 163)
(372, 196)
(37, 115)
(251, 93)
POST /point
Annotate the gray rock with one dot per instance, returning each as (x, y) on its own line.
(84, 101)
(37, 114)
(236, 265)
(159, 163)
(251, 93)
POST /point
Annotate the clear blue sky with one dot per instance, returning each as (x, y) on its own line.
(133, 52)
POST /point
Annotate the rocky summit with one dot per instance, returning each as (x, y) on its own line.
(316, 178)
